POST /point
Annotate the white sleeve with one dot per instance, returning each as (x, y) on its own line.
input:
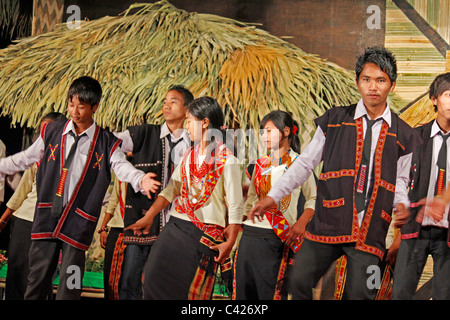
(301, 169)
(22, 160)
(125, 171)
(402, 182)
(233, 190)
(127, 143)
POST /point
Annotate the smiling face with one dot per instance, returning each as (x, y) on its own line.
(374, 85)
(195, 127)
(81, 113)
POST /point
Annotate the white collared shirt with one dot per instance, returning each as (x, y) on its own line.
(437, 143)
(178, 151)
(309, 191)
(224, 206)
(361, 112)
(80, 157)
(180, 148)
(311, 157)
(20, 161)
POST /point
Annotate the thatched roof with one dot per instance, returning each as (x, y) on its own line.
(15, 20)
(137, 55)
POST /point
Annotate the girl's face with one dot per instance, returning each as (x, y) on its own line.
(194, 127)
(272, 136)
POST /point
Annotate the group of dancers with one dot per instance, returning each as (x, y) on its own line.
(185, 218)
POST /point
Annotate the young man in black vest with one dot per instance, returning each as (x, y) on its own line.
(75, 161)
(366, 153)
(156, 149)
(427, 231)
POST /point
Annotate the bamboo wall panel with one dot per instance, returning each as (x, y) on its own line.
(418, 61)
(437, 13)
(46, 15)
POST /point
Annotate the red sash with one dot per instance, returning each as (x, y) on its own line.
(275, 215)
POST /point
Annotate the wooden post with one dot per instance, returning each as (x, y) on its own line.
(46, 15)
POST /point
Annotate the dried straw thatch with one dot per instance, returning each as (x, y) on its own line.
(137, 55)
(419, 112)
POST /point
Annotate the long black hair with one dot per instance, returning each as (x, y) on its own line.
(54, 116)
(208, 107)
(282, 119)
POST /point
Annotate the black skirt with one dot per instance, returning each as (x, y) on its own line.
(179, 266)
(261, 265)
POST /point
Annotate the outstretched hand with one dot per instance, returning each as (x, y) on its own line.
(224, 249)
(142, 226)
(434, 207)
(260, 208)
(401, 215)
(150, 184)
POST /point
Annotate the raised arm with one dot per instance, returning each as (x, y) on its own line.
(22, 160)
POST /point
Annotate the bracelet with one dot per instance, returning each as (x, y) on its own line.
(103, 229)
(3, 221)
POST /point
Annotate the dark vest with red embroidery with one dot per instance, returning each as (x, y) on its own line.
(420, 180)
(335, 219)
(148, 156)
(77, 223)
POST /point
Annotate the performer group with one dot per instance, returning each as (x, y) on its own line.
(181, 214)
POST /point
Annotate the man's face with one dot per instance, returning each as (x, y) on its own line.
(174, 108)
(374, 85)
(81, 113)
(442, 102)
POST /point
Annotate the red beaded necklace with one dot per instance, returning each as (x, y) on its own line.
(197, 173)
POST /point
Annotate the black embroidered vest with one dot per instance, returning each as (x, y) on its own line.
(420, 180)
(77, 223)
(148, 156)
(335, 219)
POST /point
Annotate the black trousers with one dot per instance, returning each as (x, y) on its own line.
(19, 245)
(43, 257)
(411, 259)
(313, 260)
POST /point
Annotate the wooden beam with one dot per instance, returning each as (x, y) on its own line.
(428, 31)
(447, 61)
